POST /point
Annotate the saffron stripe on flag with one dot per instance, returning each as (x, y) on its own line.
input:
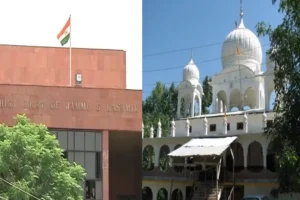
(62, 32)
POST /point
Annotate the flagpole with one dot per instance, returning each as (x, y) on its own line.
(70, 67)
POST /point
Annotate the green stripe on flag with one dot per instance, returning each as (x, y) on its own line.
(65, 40)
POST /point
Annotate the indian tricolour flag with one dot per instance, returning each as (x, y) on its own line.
(64, 35)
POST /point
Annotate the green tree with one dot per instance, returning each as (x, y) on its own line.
(160, 105)
(284, 134)
(32, 161)
(207, 97)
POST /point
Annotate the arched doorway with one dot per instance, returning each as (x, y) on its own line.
(148, 158)
(164, 160)
(177, 195)
(147, 193)
(162, 194)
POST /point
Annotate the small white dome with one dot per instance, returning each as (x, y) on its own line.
(191, 72)
(270, 65)
(248, 45)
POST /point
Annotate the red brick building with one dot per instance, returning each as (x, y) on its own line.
(96, 120)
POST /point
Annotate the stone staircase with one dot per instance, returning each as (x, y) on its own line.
(206, 192)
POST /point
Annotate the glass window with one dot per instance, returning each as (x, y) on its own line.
(98, 190)
(90, 191)
(90, 143)
(63, 139)
(71, 157)
(98, 142)
(79, 141)
(90, 165)
(212, 127)
(71, 140)
(79, 158)
(240, 126)
(98, 165)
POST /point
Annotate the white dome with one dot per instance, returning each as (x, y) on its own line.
(191, 72)
(248, 45)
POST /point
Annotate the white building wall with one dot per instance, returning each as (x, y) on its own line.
(255, 124)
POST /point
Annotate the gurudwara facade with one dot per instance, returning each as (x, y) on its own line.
(222, 155)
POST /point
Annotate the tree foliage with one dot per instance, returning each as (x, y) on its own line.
(160, 105)
(207, 98)
(284, 134)
(32, 161)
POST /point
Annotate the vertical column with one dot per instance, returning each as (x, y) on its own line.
(258, 97)
(187, 127)
(265, 151)
(156, 156)
(267, 99)
(245, 150)
(200, 105)
(216, 105)
(105, 164)
(246, 123)
(225, 125)
(205, 125)
(173, 128)
(158, 129)
(221, 106)
(183, 190)
(192, 111)
(154, 192)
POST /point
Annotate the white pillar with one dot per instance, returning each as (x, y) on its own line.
(264, 120)
(267, 100)
(159, 129)
(151, 132)
(156, 156)
(200, 106)
(216, 105)
(192, 111)
(205, 126)
(221, 106)
(225, 125)
(187, 127)
(246, 123)
(245, 150)
(258, 105)
(173, 129)
(265, 151)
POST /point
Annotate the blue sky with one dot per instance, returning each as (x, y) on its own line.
(171, 25)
